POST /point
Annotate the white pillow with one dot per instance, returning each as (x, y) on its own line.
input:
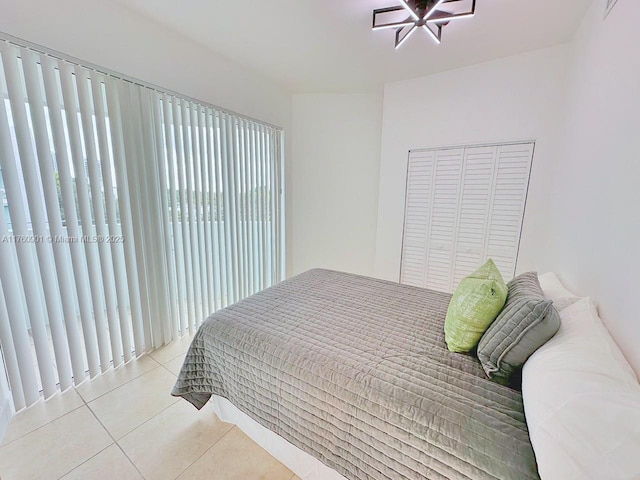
(582, 402)
(553, 289)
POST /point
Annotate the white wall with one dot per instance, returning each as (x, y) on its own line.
(514, 98)
(594, 228)
(336, 157)
(109, 35)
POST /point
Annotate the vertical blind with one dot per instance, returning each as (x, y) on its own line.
(129, 214)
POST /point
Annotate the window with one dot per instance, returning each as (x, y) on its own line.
(129, 214)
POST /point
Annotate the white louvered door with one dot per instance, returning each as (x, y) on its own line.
(419, 193)
(463, 205)
(513, 166)
(446, 191)
(473, 214)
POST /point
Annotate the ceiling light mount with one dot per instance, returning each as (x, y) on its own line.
(430, 15)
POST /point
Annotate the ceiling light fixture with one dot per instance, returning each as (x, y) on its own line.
(431, 15)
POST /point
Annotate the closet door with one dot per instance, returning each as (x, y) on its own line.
(417, 214)
(474, 211)
(513, 166)
(463, 205)
(443, 221)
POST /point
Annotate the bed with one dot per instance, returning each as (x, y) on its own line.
(355, 372)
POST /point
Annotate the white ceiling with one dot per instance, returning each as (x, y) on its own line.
(328, 45)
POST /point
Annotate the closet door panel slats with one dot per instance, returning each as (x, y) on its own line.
(463, 205)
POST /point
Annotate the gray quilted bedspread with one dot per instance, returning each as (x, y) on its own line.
(355, 372)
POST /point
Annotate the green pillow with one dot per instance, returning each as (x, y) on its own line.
(475, 304)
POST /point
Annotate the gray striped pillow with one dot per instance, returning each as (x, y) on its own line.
(526, 322)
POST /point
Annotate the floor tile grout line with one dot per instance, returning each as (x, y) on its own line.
(172, 358)
(74, 388)
(113, 370)
(86, 403)
(128, 381)
(165, 367)
(101, 424)
(183, 354)
(134, 378)
(115, 441)
(136, 427)
(85, 461)
(60, 417)
(148, 420)
(122, 384)
(207, 450)
(161, 411)
(131, 461)
(41, 426)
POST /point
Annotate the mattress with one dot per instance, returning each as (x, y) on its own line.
(355, 372)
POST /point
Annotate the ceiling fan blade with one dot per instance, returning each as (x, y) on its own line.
(434, 31)
(409, 7)
(391, 17)
(456, 6)
(403, 33)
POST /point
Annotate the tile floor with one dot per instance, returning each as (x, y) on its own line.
(124, 425)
